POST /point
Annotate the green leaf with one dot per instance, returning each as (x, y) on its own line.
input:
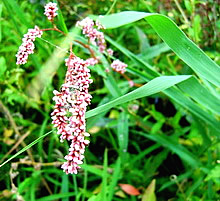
(92, 169)
(0, 22)
(104, 176)
(114, 180)
(56, 196)
(19, 13)
(214, 174)
(179, 178)
(65, 186)
(190, 105)
(154, 86)
(122, 18)
(196, 91)
(188, 6)
(61, 20)
(143, 40)
(168, 31)
(173, 92)
(154, 51)
(2, 67)
(197, 27)
(149, 193)
(122, 133)
(175, 147)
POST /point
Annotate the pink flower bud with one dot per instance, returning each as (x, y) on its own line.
(50, 10)
(119, 66)
(110, 52)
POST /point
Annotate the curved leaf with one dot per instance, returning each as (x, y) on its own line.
(168, 31)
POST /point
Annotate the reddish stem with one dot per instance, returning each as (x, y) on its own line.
(87, 47)
(54, 29)
(129, 79)
(81, 43)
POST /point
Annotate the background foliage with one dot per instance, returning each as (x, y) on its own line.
(166, 146)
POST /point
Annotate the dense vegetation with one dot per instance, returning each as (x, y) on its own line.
(162, 140)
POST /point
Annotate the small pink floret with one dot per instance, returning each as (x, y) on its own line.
(110, 52)
(119, 66)
(70, 110)
(91, 61)
(131, 83)
(50, 10)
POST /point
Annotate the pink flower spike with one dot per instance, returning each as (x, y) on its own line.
(70, 109)
(50, 10)
(27, 46)
(96, 37)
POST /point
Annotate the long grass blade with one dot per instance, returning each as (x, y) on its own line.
(191, 54)
(27, 147)
(175, 147)
(173, 92)
(154, 86)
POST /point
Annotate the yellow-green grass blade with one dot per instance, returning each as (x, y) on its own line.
(178, 149)
(154, 86)
(200, 94)
(27, 147)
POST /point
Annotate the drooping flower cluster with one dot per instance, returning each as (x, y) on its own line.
(27, 46)
(96, 37)
(73, 98)
(69, 112)
(50, 10)
(119, 66)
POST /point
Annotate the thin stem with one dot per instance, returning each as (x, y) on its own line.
(47, 186)
(87, 47)
(15, 146)
(182, 12)
(38, 163)
(129, 79)
(7, 113)
(64, 50)
(14, 126)
(54, 29)
(71, 47)
(112, 6)
(81, 43)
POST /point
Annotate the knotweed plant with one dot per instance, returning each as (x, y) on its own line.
(71, 101)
